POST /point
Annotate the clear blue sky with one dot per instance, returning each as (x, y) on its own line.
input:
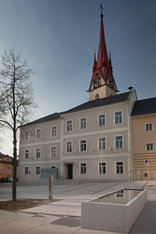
(59, 37)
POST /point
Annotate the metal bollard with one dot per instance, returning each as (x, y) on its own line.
(51, 187)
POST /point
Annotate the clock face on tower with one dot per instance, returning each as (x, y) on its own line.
(111, 83)
(97, 82)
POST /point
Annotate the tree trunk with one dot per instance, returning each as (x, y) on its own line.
(14, 141)
(14, 167)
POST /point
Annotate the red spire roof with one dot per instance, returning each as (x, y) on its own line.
(102, 67)
(102, 52)
(95, 62)
(110, 66)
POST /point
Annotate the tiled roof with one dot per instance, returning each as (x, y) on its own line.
(143, 107)
(47, 118)
(87, 105)
(100, 102)
(4, 155)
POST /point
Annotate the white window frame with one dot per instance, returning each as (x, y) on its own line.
(98, 120)
(25, 170)
(25, 154)
(37, 174)
(118, 117)
(115, 166)
(80, 145)
(37, 148)
(71, 147)
(27, 135)
(99, 143)
(80, 123)
(122, 142)
(80, 168)
(38, 129)
(147, 127)
(99, 168)
(54, 126)
(70, 125)
(52, 156)
(148, 146)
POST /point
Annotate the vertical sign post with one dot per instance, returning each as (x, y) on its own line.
(51, 187)
(147, 163)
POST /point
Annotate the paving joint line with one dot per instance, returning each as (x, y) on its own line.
(57, 215)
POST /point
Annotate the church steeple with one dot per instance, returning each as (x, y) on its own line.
(102, 58)
(102, 83)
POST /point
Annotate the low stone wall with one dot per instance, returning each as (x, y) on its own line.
(112, 217)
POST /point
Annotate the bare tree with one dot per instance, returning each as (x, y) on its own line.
(16, 99)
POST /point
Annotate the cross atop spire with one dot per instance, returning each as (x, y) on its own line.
(101, 8)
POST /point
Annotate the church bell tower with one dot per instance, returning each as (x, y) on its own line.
(102, 82)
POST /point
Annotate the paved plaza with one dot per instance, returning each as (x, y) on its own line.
(64, 214)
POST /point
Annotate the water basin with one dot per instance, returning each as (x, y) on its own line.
(114, 212)
(120, 197)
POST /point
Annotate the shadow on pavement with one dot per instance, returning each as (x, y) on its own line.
(67, 221)
(146, 222)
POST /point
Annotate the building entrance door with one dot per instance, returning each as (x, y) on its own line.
(70, 171)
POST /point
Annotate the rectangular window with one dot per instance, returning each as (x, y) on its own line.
(149, 127)
(26, 154)
(118, 117)
(119, 167)
(102, 120)
(1, 166)
(26, 170)
(69, 147)
(53, 133)
(38, 153)
(83, 168)
(27, 136)
(120, 194)
(69, 125)
(38, 133)
(8, 168)
(53, 151)
(119, 142)
(102, 168)
(83, 123)
(149, 146)
(102, 143)
(83, 145)
(37, 170)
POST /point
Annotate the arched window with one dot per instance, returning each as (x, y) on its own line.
(97, 96)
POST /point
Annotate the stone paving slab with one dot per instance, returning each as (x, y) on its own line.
(146, 223)
(71, 205)
(16, 227)
(62, 215)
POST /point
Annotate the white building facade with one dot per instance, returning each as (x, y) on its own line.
(88, 142)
